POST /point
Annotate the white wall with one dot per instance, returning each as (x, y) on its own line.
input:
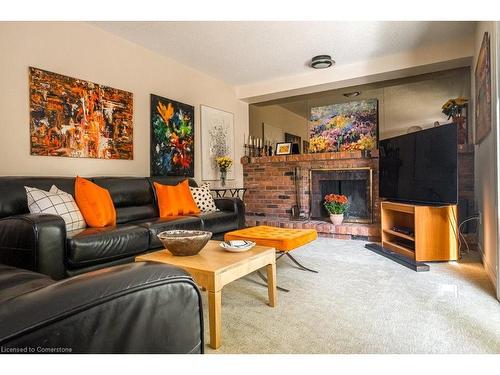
(83, 51)
(486, 162)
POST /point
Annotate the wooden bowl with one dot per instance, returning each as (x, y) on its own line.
(184, 242)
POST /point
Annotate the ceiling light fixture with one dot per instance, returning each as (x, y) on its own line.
(351, 94)
(322, 62)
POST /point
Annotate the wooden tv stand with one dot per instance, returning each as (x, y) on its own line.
(435, 231)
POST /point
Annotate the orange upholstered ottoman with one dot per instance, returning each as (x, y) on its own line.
(282, 239)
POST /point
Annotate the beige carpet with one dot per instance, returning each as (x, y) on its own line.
(361, 302)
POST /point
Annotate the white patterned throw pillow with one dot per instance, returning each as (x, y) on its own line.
(56, 202)
(203, 198)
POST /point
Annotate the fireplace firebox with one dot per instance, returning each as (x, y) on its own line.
(355, 183)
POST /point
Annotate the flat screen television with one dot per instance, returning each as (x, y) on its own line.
(420, 167)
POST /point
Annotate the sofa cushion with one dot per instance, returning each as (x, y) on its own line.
(97, 245)
(15, 282)
(175, 200)
(158, 225)
(133, 197)
(55, 202)
(133, 213)
(203, 198)
(219, 221)
(13, 196)
(172, 180)
(95, 203)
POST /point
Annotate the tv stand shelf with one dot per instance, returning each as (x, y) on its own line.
(435, 236)
(399, 234)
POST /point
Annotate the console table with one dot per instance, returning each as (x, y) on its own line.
(229, 192)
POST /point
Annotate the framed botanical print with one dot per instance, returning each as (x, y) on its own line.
(217, 140)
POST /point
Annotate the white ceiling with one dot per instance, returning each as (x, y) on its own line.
(241, 53)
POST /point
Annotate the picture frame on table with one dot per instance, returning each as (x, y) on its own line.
(283, 148)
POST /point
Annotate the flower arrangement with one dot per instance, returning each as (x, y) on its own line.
(453, 107)
(336, 204)
(224, 162)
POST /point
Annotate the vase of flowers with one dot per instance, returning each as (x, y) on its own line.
(224, 163)
(453, 109)
(336, 205)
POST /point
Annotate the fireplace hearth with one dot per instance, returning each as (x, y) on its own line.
(355, 183)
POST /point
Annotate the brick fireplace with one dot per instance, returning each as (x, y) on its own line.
(271, 191)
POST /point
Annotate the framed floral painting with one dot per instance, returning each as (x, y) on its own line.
(172, 138)
(344, 127)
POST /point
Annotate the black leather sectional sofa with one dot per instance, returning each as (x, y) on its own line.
(135, 308)
(40, 242)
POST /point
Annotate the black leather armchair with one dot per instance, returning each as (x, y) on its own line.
(134, 308)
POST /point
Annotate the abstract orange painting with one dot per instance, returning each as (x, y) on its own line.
(75, 118)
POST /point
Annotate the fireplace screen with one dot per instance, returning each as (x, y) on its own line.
(355, 183)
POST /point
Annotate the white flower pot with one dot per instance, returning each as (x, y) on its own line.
(336, 219)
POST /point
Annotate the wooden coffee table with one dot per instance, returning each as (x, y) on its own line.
(213, 268)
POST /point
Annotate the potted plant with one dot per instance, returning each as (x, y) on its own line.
(336, 205)
(224, 163)
(453, 109)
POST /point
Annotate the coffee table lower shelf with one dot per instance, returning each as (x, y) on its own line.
(213, 268)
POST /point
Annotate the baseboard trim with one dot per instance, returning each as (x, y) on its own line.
(490, 271)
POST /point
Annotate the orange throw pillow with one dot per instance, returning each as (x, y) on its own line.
(175, 200)
(95, 203)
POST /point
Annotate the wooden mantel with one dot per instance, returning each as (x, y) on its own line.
(308, 157)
